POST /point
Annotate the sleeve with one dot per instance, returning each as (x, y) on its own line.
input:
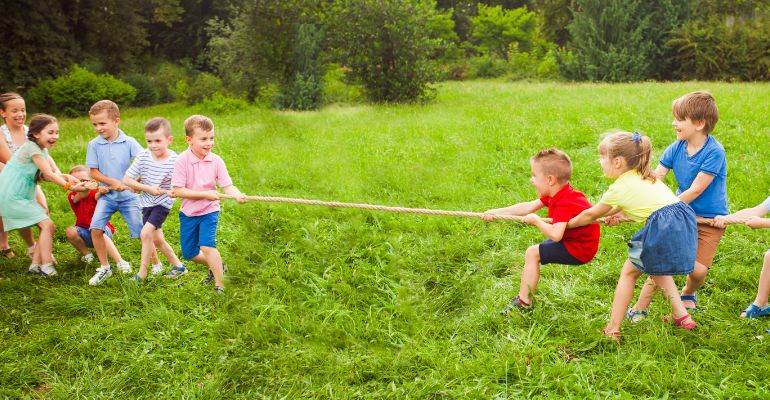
(612, 197)
(545, 200)
(136, 148)
(223, 178)
(136, 166)
(714, 162)
(179, 176)
(766, 204)
(92, 159)
(667, 158)
(30, 150)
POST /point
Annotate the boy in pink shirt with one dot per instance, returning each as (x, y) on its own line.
(197, 173)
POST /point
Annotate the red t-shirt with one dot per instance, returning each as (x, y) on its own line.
(84, 209)
(583, 242)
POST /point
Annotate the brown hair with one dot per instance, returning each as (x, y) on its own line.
(37, 123)
(197, 121)
(634, 147)
(79, 168)
(697, 106)
(105, 105)
(554, 162)
(6, 97)
(157, 124)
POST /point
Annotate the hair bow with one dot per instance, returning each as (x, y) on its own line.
(636, 137)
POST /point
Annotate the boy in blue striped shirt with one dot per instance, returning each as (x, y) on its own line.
(150, 174)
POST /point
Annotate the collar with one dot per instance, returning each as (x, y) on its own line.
(564, 190)
(209, 157)
(120, 139)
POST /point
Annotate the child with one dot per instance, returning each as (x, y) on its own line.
(665, 246)
(108, 156)
(18, 207)
(154, 167)
(752, 218)
(14, 134)
(551, 172)
(197, 173)
(700, 168)
(82, 198)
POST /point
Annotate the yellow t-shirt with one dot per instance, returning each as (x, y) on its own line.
(637, 197)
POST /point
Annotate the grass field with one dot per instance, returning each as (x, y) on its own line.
(325, 303)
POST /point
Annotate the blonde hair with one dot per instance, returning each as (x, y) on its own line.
(105, 105)
(79, 168)
(197, 121)
(6, 97)
(553, 161)
(157, 124)
(697, 106)
(633, 147)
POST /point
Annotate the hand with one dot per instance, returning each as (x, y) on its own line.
(612, 220)
(488, 216)
(155, 191)
(212, 195)
(78, 187)
(172, 193)
(241, 198)
(90, 185)
(104, 189)
(754, 222)
(720, 221)
(531, 219)
(119, 187)
(69, 178)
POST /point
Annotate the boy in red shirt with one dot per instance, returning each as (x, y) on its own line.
(82, 198)
(551, 172)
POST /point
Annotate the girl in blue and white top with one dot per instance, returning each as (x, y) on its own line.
(752, 217)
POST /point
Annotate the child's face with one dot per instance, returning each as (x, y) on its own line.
(611, 167)
(82, 175)
(105, 125)
(14, 112)
(686, 129)
(158, 142)
(48, 136)
(201, 142)
(541, 181)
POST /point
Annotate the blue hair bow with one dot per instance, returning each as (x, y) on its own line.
(636, 137)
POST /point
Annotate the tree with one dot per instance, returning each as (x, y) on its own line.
(495, 29)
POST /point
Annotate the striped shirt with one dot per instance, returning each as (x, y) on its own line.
(155, 173)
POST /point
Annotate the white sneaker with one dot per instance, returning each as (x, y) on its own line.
(47, 270)
(101, 275)
(88, 258)
(34, 269)
(157, 269)
(124, 266)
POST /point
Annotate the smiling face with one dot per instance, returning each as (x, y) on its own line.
(201, 142)
(545, 184)
(105, 125)
(686, 129)
(14, 112)
(48, 136)
(158, 142)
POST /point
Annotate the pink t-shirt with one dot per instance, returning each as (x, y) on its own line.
(191, 172)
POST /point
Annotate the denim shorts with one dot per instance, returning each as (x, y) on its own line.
(197, 231)
(556, 253)
(667, 243)
(85, 234)
(155, 215)
(128, 208)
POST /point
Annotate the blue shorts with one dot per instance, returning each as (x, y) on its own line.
(198, 231)
(667, 243)
(129, 209)
(556, 253)
(85, 234)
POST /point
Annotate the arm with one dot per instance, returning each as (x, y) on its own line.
(185, 193)
(523, 208)
(231, 190)
(139, 187)
(113, 183)
(756, 222)
(48, 174)
(701, 182)
(590, 215)
(5, 152)
(742, 216)
(554, 232)
(661, 172)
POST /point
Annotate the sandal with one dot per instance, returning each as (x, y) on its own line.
(693, 299)
(755, 311)
(611, 335)
(8, 253)
(516, 303)
(635, 316)
(685, 321)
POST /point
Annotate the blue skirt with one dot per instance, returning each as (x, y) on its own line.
(667, 243)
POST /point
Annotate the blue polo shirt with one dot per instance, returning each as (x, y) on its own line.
(711, 160)
(112, 159)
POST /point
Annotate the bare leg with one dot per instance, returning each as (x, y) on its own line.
(112, 251)
(148, 248)
(3, 237)
(763, 291)
(44, 247)
(214, 262)
(530, 275)
(76, 241)
(165, 248)
(624, 291)
(645, 296)
(670, 291)
(97, 236)
(27, 236)
(694, 282)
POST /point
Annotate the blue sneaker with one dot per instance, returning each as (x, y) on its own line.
(635, 316)
(176, 272)
(755, 311)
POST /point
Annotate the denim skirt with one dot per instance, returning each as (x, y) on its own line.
(667, 243)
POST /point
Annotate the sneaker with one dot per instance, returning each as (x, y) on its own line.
(101, 275)
(137, 278)
(157, 269)
(88, 258)
(124, 266)
(635, 316)
(210, 278)
(47, 270)
(219, 290)
(176, 272)
(516, 304)
(34, 269)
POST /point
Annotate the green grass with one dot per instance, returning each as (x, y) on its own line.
(326, 303)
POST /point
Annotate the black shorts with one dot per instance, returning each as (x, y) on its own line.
(155, 215)
(555, 253)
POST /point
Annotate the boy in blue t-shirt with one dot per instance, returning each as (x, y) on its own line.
(699, 165)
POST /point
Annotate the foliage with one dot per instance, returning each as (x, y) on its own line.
(74, 93)
(305, 89)
(337, 90)
(202, 87)
(146, 90)
(496, 29)
(220, 104)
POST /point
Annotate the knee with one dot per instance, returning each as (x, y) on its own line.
(533, 253)
(47, 226)
(146, 235)
(97, 233)
(71, 233)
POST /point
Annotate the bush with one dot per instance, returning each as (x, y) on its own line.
(74, 93)
(304, 91)
(496, 29)
(221, 104)
(167, 78)
(146, 90)
(336, 90)
(487, 66)
(203, 87)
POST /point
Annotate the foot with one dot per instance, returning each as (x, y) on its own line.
(755, 311)
(47, 270)
(690, 301)
(34, 269)
(7, 253)
(636, 316)
(123, 266)
(137, 278)
(88, 258)
(176, 272)
(210, 277)
(101, 275)
(157, 269)
(516, 304)
(685, 321)
(219, 290)
(612, 334)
